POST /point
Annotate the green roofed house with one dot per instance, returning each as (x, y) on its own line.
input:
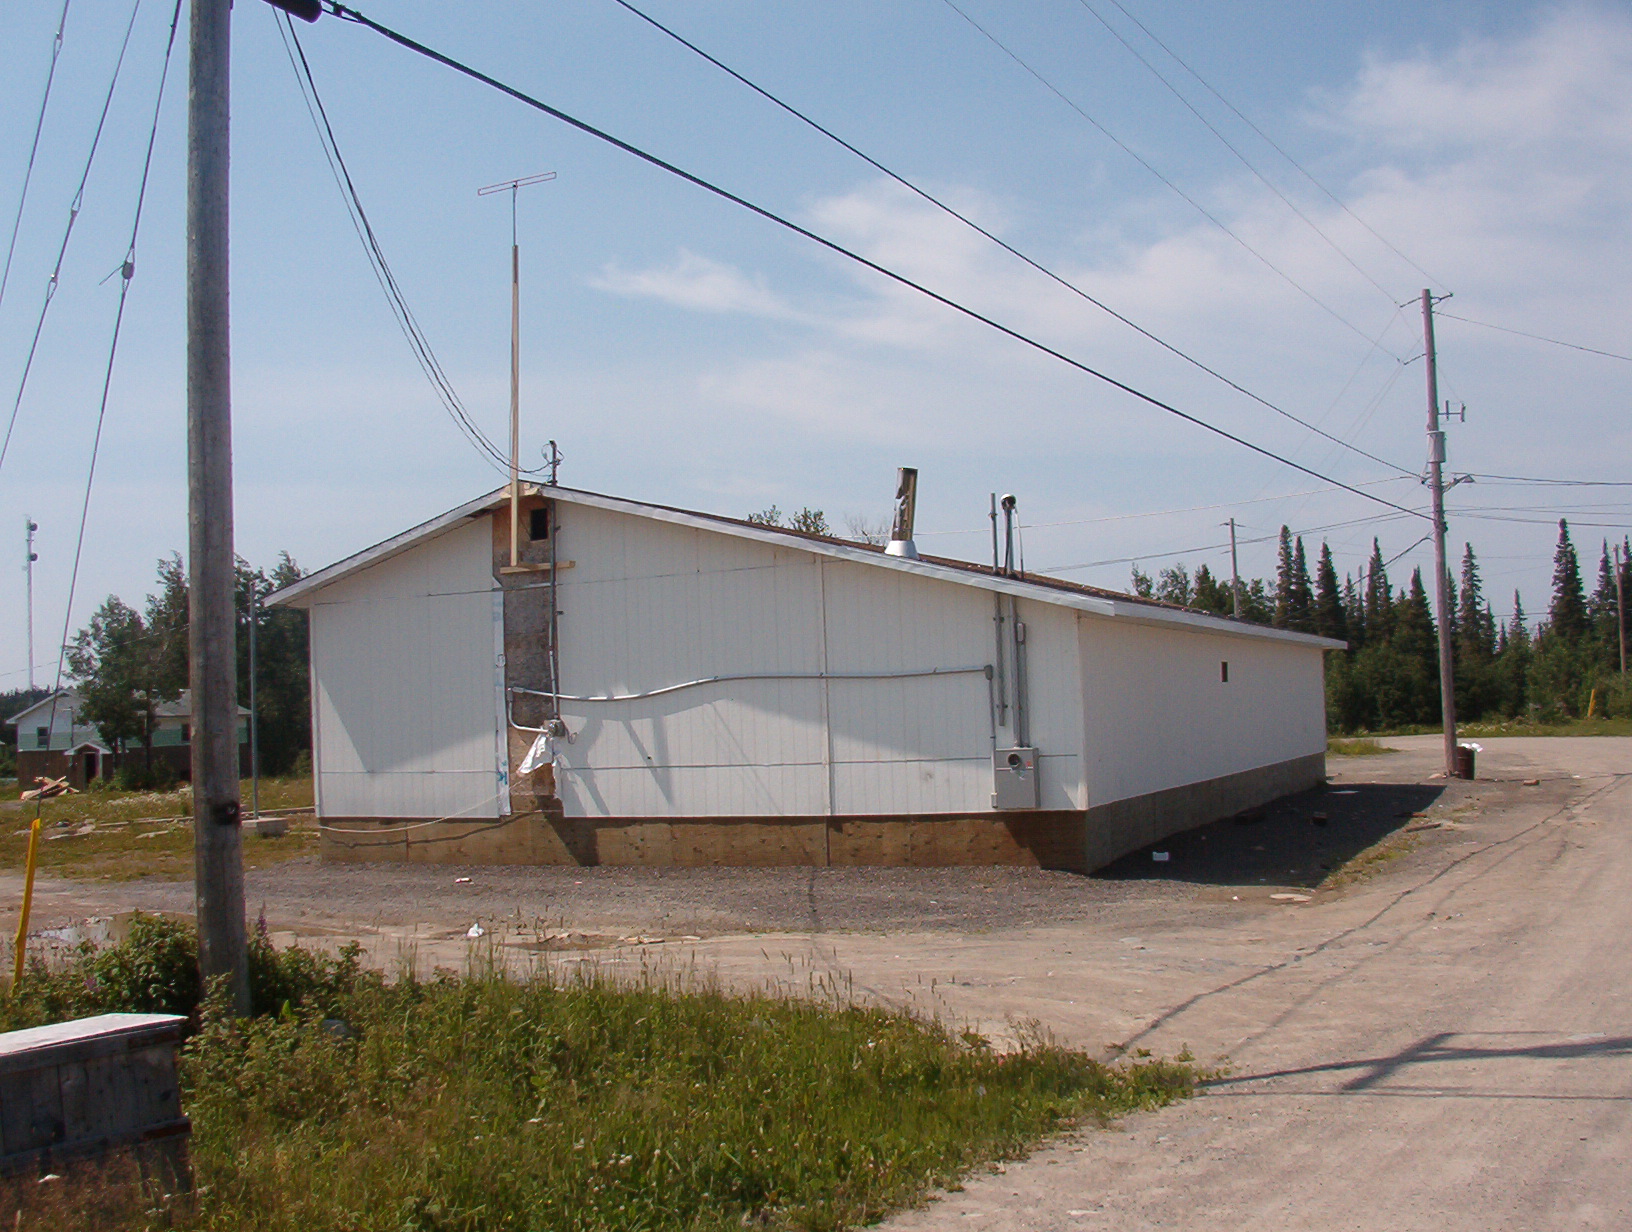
(55, 741)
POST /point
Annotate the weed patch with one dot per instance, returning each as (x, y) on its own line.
(578, 1103)
(1364, 746)
(112, 834)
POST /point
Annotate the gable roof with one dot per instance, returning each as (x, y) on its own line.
(1039, 588)
(68, 696)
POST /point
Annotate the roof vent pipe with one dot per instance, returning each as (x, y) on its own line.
(1009, 503)
(906, 508)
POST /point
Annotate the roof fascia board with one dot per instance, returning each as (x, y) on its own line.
(292, 594)
(1020, 588)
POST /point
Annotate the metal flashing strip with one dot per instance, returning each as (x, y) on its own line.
(1118, 607)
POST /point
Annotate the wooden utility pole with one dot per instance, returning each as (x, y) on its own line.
(1235, 573)
(218, 878)
(1442, 579)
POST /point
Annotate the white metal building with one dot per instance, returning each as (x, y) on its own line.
(729, 692)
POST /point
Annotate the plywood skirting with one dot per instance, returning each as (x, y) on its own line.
(1067, 839)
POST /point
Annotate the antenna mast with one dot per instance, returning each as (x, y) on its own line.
(513, 186)
(30, 556)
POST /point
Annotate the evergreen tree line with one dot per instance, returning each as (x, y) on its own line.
(127, 663)
(1389, 676)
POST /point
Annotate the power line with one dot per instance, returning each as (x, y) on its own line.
(403, 40)
(1148, 166)
(1001, 243)
(1215, 547)
(1270, 141)
(1230, 146)
(400, 311)
(1562, 483)
(1160, 513)
(73, 216)
(127, 271)
(33, 149)
(1574, 346)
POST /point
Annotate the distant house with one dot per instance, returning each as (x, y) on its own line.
(55, 741)
(651, 685)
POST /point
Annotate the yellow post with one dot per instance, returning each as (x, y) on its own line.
(28, 900)
(1592, 700)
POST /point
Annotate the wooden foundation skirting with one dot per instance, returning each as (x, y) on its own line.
(1069, 839)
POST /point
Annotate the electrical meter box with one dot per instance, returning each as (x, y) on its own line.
(1014, 779)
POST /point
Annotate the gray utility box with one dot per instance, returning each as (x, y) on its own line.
(1014, 779)
(92, 1086)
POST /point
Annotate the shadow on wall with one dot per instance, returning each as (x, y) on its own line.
(1297, 840)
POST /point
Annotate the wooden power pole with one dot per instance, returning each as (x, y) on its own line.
(212, 649)
(1235, 575)
(1442, 579)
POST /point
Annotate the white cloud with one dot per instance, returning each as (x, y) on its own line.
(697, 283)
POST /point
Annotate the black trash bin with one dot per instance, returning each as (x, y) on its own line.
(1464, 761)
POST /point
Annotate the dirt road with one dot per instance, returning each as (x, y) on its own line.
(1444, 1041)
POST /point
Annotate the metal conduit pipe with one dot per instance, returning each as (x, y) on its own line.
(984, 669)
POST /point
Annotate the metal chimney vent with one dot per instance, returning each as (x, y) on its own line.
(906, 507)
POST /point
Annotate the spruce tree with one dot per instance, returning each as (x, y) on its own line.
(1330, 618)
(1417, 642)
(1303, 592)
(1354, 611)
(1601, 610)
(1379, 598)
(1567, 617)
(1283, 581)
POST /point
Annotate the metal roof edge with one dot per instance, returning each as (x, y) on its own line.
(289, 596)
(965, 575)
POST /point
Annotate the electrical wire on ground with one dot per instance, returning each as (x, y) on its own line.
(1270, 141)
(1574, 346)
(1001, 243)
(403, 315)
(1150, 167)
(62, 250)
(126, 271)
(33, 149)
(402, 40)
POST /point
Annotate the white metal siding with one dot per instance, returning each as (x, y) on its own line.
(1158, 715)
(402, 668)
(649, 604)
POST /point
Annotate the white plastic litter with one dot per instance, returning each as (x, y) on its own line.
(541, 754)
(476, 930)
(1161, 857)
(461, 881)
(1468, 744)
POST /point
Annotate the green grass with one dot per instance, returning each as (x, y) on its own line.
(586, 1105)
(111, 834)
(1520, 727)
(1364, 746)
(1364, 865)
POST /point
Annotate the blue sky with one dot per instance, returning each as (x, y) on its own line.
(685, 352)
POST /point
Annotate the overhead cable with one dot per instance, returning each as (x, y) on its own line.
(1150, 167)
(1232, 148)
(33, 149)
(68, 231)
(403, 40)
(126, 271)
(1562, 483)
(1270, 141)
(381, 268)
(1001, 243)
(1216, 547)
(1574, 346)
